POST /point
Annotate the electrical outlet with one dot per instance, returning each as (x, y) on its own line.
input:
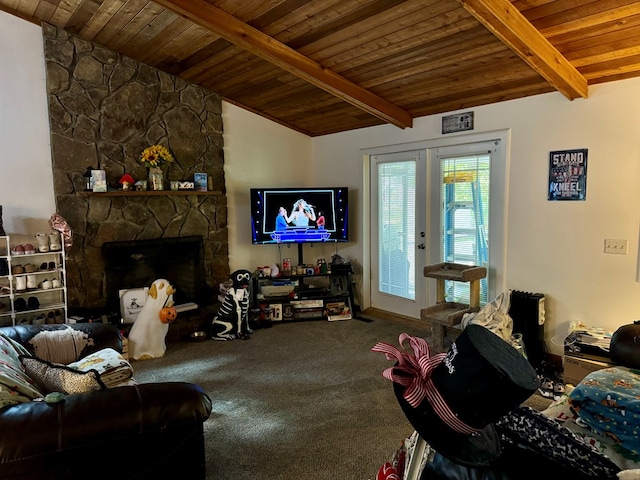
(612, 245)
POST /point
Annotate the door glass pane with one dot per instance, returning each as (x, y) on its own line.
(396, 228)
(465, 218)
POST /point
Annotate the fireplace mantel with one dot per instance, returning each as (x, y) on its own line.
(134, 193)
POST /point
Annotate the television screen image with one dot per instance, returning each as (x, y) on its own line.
(299, 215)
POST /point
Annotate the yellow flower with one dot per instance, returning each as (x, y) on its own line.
(155, 156)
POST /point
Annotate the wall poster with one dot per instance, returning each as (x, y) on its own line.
(568, 174)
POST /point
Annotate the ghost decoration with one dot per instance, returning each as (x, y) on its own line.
(147, 336)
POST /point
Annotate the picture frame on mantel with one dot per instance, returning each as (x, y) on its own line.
(99, 180)
(200, 182)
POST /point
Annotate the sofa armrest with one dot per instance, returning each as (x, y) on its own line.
(34, 429)
(102, 335)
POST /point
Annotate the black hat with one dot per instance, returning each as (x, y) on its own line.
(625, 345)
(453, 399)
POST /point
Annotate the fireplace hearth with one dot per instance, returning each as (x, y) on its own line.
(137, 263)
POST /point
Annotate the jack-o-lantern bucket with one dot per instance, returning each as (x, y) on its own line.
(168, 314)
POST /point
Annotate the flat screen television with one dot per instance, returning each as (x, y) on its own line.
(299, 215)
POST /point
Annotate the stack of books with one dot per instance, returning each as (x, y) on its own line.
(337, 311)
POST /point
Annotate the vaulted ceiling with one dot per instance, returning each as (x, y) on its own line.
(326, 66)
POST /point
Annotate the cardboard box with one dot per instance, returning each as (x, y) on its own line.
(576, 368)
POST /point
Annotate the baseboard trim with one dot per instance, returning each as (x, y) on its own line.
(378, 314)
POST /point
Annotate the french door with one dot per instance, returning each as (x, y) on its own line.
(398, 232)
(445, 202)
(462, 215)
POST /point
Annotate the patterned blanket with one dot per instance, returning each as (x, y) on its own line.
(608, 402)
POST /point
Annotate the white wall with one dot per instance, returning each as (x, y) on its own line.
(553, 247)
(26, 181)
(556, 248)
(258, 153)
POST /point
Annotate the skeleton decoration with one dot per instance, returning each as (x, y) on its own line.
(232, 319)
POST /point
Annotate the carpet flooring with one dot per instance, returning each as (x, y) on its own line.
(300, 400)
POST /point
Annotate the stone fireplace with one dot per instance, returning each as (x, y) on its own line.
(104, 110)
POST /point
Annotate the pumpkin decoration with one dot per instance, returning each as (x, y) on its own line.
(168, 314)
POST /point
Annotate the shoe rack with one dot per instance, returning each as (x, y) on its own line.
(32, 280)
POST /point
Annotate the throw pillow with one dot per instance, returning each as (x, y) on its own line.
(15, 386)
(111, 365)
(51, 377)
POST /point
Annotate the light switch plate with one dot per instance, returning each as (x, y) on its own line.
(617, 246)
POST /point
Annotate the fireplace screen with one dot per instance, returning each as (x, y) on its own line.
(137, 263)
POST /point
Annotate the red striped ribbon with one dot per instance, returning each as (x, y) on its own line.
(413, 372)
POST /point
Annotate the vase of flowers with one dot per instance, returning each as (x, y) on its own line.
(154, 158)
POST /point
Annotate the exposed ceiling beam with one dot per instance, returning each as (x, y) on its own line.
(277, 53)
(514, 30)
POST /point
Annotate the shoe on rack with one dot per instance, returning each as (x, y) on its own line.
(17, 250)
(33, 303)
(20, 304)
(55, 243)
(17, 269)
(29, 268)
(43, 242)
(29, 249)
(45, 285)
(21, 283)
(4, 267)
(32, 283)
(55, 283)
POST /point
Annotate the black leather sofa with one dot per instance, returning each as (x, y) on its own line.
(145, 431)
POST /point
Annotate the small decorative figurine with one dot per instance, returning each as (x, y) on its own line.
(127, 182)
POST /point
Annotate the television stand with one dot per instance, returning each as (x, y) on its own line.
(312, 297)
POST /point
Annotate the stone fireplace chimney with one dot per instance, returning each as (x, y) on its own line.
(104, 110)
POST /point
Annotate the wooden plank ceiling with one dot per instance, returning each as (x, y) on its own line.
(327, 66)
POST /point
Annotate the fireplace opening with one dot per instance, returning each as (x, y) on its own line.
(137, 263)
